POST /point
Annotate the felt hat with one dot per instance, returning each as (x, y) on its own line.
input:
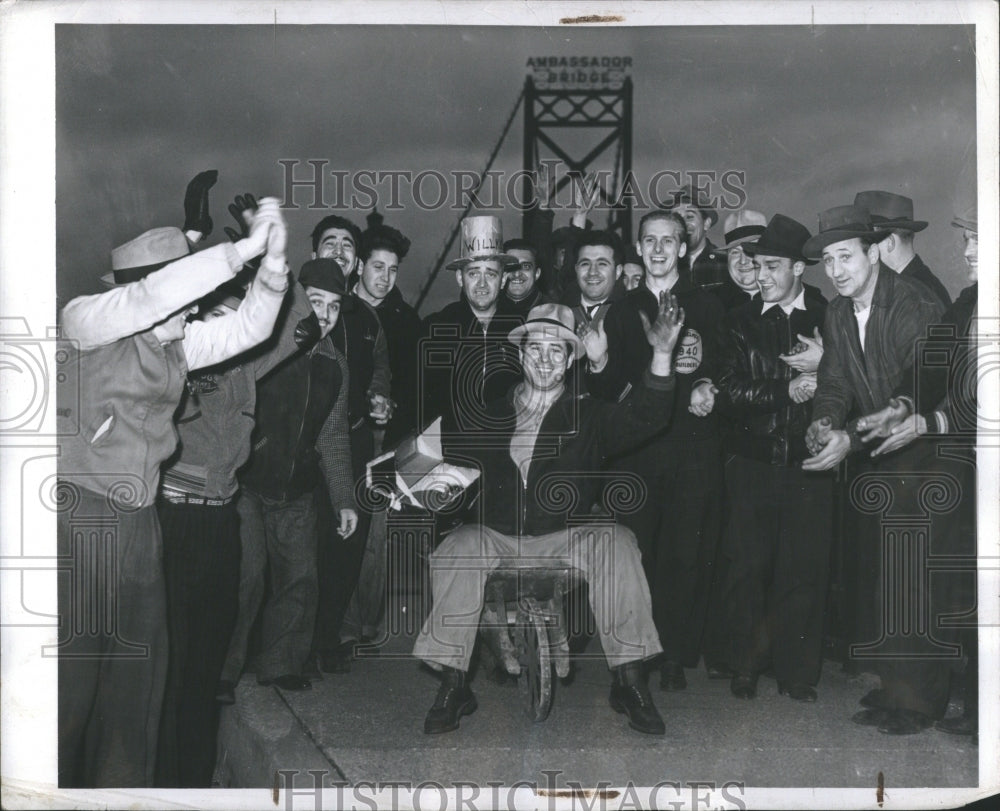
(837, 224)
(481, 239)
(686, 195)
(967, 218)
(782, 237)
(149, 251)
(743, 226)
(549, 321)
(889, 211)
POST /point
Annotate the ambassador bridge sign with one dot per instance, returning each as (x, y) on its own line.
(579, 71)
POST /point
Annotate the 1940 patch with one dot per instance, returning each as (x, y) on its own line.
(689, 353)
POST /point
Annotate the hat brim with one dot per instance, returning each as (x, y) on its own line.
(756, 249)
(903, 225)
(965, 223)
(504, 259)
(737, 242)
(551, 331)
(813, 248)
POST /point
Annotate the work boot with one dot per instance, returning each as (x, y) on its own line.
(630, 695)
(454, 699)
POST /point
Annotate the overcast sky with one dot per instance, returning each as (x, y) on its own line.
(810, 115)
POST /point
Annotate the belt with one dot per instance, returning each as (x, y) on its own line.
(175, 497)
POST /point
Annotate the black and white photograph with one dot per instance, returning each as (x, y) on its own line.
(549, 405)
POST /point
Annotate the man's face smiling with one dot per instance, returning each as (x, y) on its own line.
(850, 267)
(338, 244)
(545, 361)
(660, 246)
(378, 275)
(741, 270)
(481, 281)
(326, 305)
(596, 271)
(522, 277)
(972, 253)
(695, 223)
(778, 277)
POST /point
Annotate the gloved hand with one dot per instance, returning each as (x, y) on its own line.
(242, 207)
(308, 332)
(196, 217)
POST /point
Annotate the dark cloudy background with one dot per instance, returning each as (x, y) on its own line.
(811, 115)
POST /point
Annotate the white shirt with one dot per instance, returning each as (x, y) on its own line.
(798, 303)
(862, 318)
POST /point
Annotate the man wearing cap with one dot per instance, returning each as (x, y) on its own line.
(703, 265)
(892, 214)
(358, 334)
(540, 438)
(777, 538)
(129, 350)
(465, 358)
(300, 442)
(742, 228)
(869, 337)
(633, 273)
(937, 400)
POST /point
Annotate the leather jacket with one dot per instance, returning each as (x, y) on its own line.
(763, 422)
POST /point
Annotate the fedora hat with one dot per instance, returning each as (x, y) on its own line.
(149, 251)
(782, 237)
(889, 211)
(967, 218)
(743, 226)
(686, 195)
(481, 239)
(551, 321)
(837, 224)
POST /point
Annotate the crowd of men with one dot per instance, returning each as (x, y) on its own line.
(227, 409)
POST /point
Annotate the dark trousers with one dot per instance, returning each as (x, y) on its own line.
(113, 642)
(777, 541)
(678, 529)
(339, 559)
(902, 512)
(201, 558)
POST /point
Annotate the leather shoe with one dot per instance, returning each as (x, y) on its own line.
(454, 699)
(289, 681)
(718, 670)
(796, 691)
(959, 725)
(672, 676)
(744, 685)
(870, 718)
(874, 699)
(630, 695)
(905, 722)
(225, 692)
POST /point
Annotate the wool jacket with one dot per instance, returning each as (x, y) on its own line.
(916, 269)
(359, 337)
(402, 329)
(852, 382)
(710, 270)
(216, 414)
(119, 386)
(764, 423)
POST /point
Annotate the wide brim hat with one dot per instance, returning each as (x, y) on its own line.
(686, 195)
(837, 224)
(148, 252)
(889, 211)
(783, 237)
(481, 240)
(553, 321)
(743, 226)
